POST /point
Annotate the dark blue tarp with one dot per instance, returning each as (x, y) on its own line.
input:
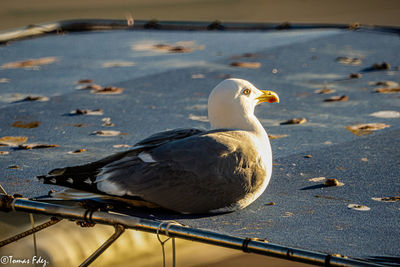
(164, 90)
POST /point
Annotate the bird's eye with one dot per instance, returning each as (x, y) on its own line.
(246, 91)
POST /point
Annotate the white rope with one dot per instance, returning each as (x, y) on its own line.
(162, 242)
(34, 235)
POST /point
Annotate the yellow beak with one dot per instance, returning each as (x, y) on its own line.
(268, 96)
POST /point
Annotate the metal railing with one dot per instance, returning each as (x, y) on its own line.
(173, 229)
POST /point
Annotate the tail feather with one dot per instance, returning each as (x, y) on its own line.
(81, 177)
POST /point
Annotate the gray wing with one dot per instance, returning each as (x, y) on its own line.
(195, 174)
(82, 177)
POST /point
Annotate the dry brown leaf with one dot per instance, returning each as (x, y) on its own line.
(324, 91)
(107, 122)
(114, 64)
(13, 140)
(333, 182)
(387, 199)
(77, 151)
(85, 81)
(385, 90)
(36, 146)
(316, 179)
(86, 112)
(385, 83)
(355, 76)
(294, 121)
(121, 146)
(110, 90)
(20, 124)
(107, 133)
(381, 66)
(387, 114)
(349, 61)
(250, 65)
(36, 98)
(337, 98)
(4, 152)
(30, 63)
(276, 136)
(366, 128)
(358, 207)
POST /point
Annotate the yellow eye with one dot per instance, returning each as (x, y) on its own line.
(246, 91)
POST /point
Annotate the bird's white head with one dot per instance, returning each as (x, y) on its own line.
(232, 102)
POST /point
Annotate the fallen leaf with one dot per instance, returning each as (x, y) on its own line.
(358, 207)
(90, 87)
(387, 199)
(198, 118)
(387, 114)
(14, 167)
(385, 83)
(276, 136)
(109, 90)
(107, 133)
(333, 182)
(294, 121)
(121, 146)
(85, 81)
(385, 90)
(86, 112)
(355, 76)
(13, 140)
(178, 47)
(35, 98)
(4, 80)
(288, 214)
(197, 76)
(349, 61)
(173, 48)
(4, 152)
(77, 151)
(324, 91)
(308, 156)
(114, 64)
(366, 128)
(316, 179)
(250, 65)
(107, 122)
(381, 66)
(36, 146)
(20, 124)
(364, 159)
(30, 63)
(337, 98)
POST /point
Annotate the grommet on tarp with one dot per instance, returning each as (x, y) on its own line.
(284, 26)
(216, 25)
(246, 241)
(152, 24)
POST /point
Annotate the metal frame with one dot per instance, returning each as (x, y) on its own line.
(121, 221)
(99, 24)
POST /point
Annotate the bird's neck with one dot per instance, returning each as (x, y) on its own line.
(248, 123)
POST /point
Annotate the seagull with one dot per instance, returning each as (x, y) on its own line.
(190, 171)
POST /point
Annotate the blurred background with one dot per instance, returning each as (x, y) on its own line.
(139, 248)
(19, 13)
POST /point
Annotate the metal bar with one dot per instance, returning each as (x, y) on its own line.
(119, 230)
(110, 24)
(29, 232)
(179, 231)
